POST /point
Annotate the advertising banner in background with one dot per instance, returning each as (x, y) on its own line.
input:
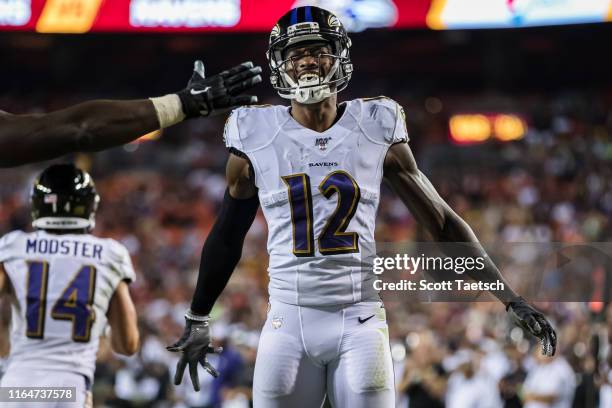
(81, 16)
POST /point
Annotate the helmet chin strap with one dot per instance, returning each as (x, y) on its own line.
(308, 91)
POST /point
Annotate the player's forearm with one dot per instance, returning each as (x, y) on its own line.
(216, 267)
(456, 230)
(126, 345)
(222, 250)
(102, 124)
(86, 127)
(123, 321)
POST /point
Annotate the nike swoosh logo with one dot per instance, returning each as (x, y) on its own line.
(362, 321)
(194, 92)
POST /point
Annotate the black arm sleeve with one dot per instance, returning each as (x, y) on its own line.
(222, 250)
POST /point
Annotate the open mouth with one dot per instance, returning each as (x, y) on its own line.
(308, 76)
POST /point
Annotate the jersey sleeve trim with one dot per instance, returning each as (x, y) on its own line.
(7, 251)
(400, 120)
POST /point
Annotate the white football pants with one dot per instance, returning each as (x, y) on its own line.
(306, 352)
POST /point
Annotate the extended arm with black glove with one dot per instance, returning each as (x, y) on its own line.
(101, 124)
(220, 255)
(221, 92)
(194, 344)
(424, 202)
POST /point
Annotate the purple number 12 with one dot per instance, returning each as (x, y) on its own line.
(333, 238)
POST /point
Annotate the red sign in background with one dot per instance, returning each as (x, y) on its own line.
(81, 16)
(114, 15)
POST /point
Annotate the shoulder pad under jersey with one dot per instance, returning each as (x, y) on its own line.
(383, 120)
(252, 127)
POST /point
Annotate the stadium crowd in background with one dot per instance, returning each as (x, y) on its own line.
(160, 198)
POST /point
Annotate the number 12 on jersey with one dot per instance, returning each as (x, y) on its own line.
(74, 304)
(333, 238)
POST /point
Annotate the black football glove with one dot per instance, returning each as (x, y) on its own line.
(221, 92)
(193, 346)
(535, 323)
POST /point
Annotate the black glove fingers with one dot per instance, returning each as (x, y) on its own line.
(244, 85)
(193, 373)
(243, 75)
(180, 369)
(533, 325)
(547, 347)
(236, 69)
(550, 335)
(209, 368)
(174, 348)
(546, 327)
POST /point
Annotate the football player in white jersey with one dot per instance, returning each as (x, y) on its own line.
(65, 285)
(316, 168)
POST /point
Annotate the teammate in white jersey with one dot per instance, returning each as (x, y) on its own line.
(65, 285)
(316, 168)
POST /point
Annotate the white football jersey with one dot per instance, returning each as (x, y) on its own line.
(63, 285)
(319, 193)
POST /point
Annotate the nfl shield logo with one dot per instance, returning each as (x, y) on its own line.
(321, 142)
(277, 322)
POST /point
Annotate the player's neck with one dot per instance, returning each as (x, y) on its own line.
(318, 116)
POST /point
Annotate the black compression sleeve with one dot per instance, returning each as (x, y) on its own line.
(222, 250)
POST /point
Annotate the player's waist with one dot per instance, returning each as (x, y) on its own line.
(49, 354)
(33, 361)
(312, 292)
(288, 257)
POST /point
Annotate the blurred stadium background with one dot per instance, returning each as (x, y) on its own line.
(512, 123)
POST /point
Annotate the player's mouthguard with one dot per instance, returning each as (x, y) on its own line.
(308, 79)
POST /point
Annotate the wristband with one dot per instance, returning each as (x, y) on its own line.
(196, 317)
(169, 110)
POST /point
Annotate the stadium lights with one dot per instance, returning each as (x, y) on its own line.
(478, 127)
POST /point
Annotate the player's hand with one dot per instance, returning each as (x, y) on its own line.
(535, 323)
(193, 346)
(221, 92)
